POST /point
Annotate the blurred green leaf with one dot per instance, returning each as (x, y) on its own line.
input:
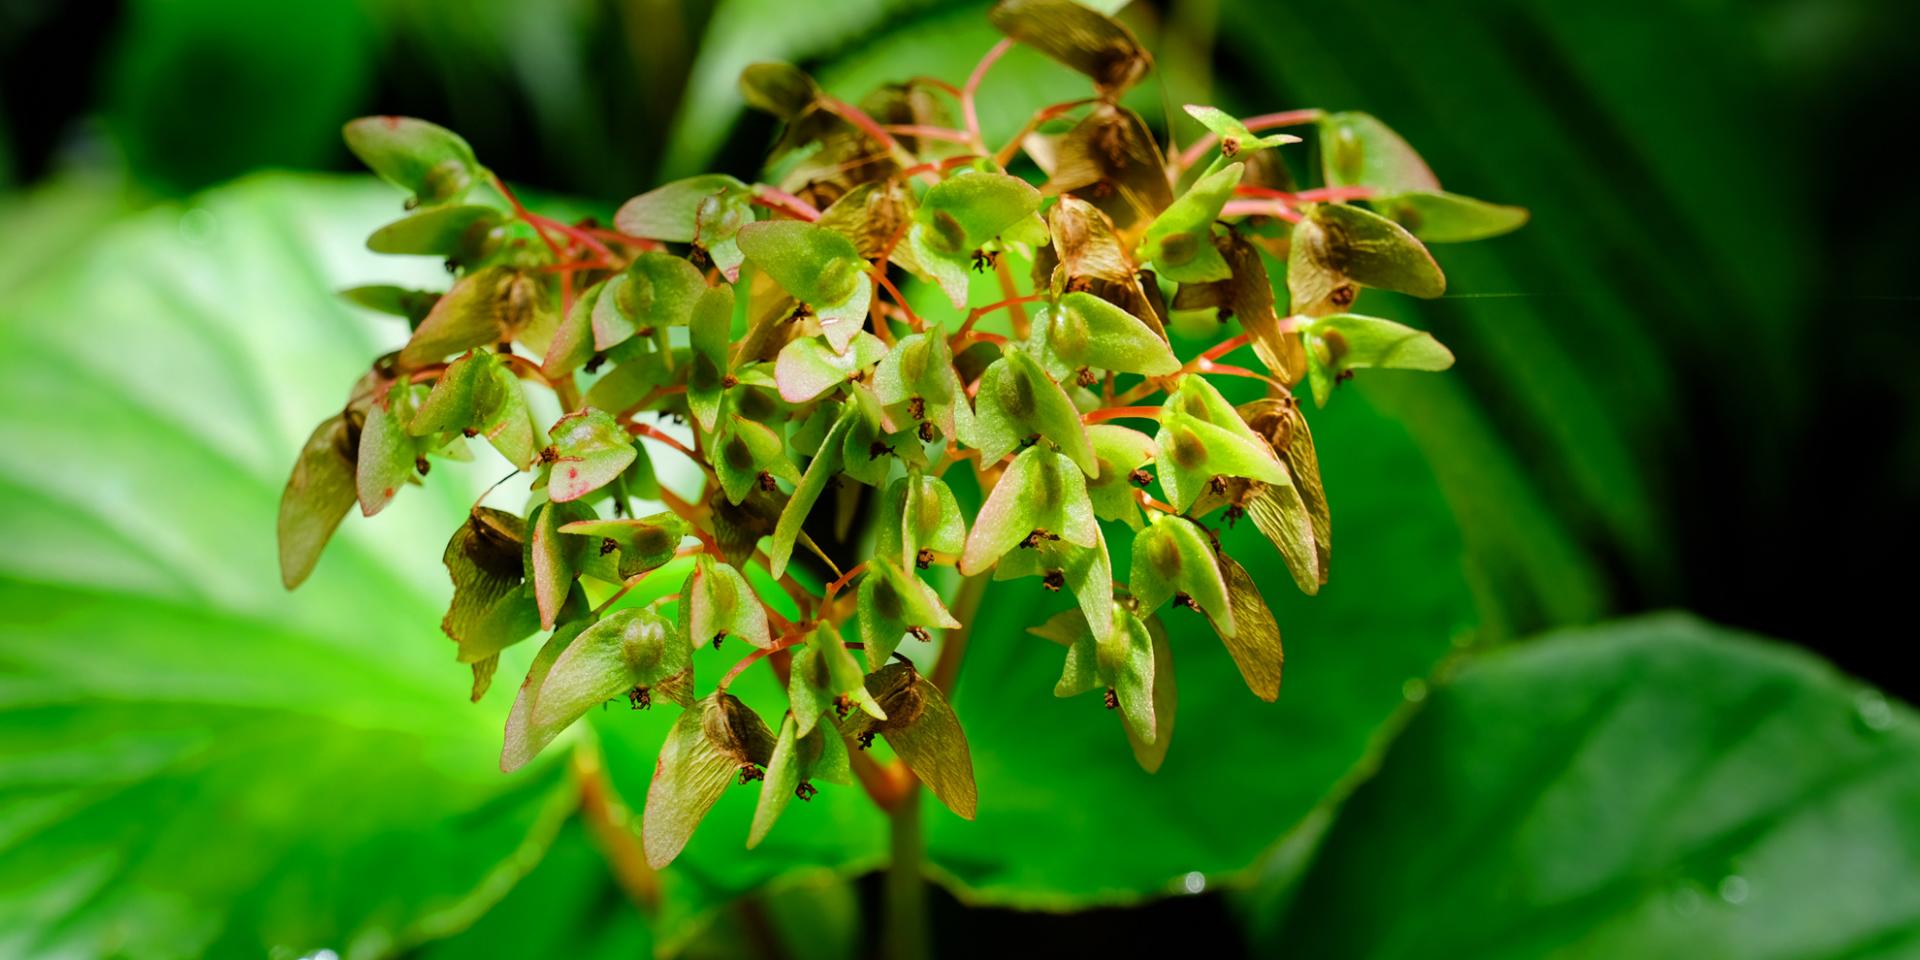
(781, 89)
(398, 301)
(568, 905)
(1655, 787)
(198, 759)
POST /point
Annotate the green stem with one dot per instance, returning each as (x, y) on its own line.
(904, 931)
(966, 609)
(904, 928)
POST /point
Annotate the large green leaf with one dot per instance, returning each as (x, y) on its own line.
(1653, 788)
(569, 905)
(199, 763)
(1065, 815)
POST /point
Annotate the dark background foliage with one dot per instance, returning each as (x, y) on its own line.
(1685, 384)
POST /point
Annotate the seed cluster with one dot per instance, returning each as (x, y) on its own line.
(906, 318)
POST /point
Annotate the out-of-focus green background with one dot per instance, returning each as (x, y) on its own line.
(1685, 385)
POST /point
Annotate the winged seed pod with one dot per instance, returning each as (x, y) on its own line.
(870, 422)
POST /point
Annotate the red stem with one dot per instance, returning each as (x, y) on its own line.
(967, 94)
(1005, 154)
(523, 213)
(1265, 121)
(981, 336)
(1115, 413)
(1225, 370)
(626, 238)
(652, 432)
(1152, 504)
(976, 313)
(1284, 118)
(928, 132)
(586, 239)
(1225, 347)
(859, 118)
(845, 578)
(776, 199)
(572, 267)
(937, 84)
(1260, 208)
(755, 655)
(1250, 190)
(913, 319)
(686, 511)
(937, 166)
(1319, 194)
(635, 580)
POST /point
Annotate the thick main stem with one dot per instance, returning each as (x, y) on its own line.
(607, 817)
(904, 931)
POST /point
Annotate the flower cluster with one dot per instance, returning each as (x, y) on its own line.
(761, 331)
